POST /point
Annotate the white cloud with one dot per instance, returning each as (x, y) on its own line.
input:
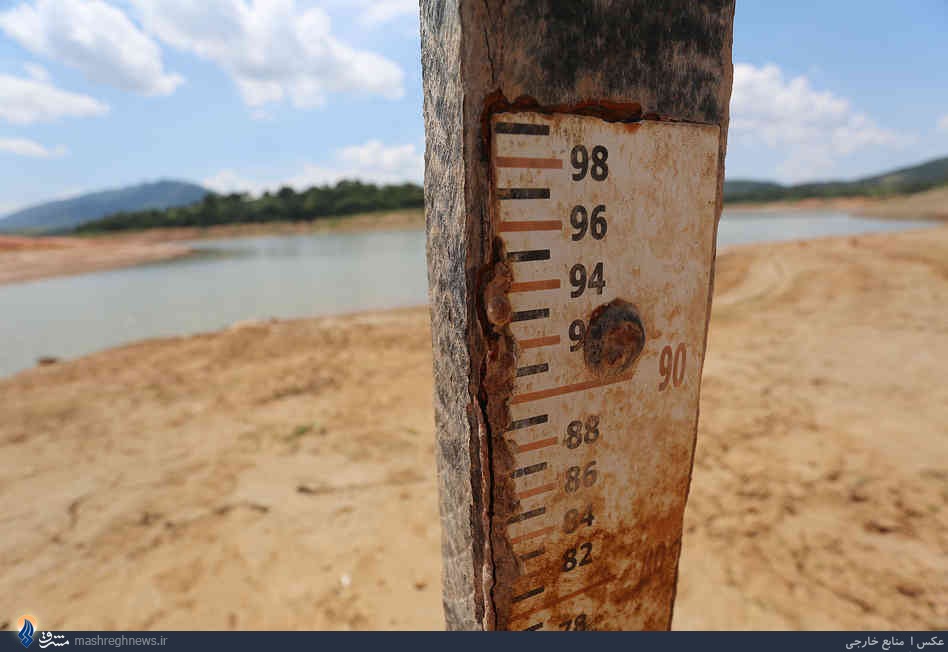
(25, 101)
(378, 12)
(371, 161)
(385, 163)
(31, 148)
(93, 37)
(228, 181)
(942, 124)
(272, 50)
(36, 71)
(813, 128)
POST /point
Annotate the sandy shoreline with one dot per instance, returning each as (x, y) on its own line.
(927, 205)
(30, 258)
(26, 259)
(367, 222)
(281, 475)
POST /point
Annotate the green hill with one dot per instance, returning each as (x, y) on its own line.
(173, 203)
(742, 187)
(897, 182)
(66, 214)
(287, 205)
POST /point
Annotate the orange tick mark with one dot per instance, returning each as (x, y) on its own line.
(564, 598)
(536, 491)
(564, 389)
(530, 225)
(532, 535)
(549, 340)
(536, 445)
(532, 286)
(528, 162)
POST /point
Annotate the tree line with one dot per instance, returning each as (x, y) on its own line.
(286, 205)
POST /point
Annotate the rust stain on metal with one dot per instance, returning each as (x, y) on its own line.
(497, 386)
(607, 110)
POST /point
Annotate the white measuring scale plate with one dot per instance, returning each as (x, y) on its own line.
(608, 232)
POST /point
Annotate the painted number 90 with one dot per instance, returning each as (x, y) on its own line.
(672, 366)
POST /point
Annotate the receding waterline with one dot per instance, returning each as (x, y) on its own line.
(231, 280)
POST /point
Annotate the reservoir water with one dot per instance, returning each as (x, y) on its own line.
(238, 279)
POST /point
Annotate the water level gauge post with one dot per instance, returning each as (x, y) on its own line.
(574, 171)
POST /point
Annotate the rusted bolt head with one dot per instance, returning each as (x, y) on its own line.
(499, 311)
(496, 304)
(614, 339)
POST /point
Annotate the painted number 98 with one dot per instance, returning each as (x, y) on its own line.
(579, 158)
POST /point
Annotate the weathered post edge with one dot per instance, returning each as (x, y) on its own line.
(617, 59)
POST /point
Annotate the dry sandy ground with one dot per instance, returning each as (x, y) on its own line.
(281, 475)
(926, 205)
(930, 204)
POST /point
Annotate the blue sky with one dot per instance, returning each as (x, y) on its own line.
(254, 94)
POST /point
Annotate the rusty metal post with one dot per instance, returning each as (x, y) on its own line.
(574, 171)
